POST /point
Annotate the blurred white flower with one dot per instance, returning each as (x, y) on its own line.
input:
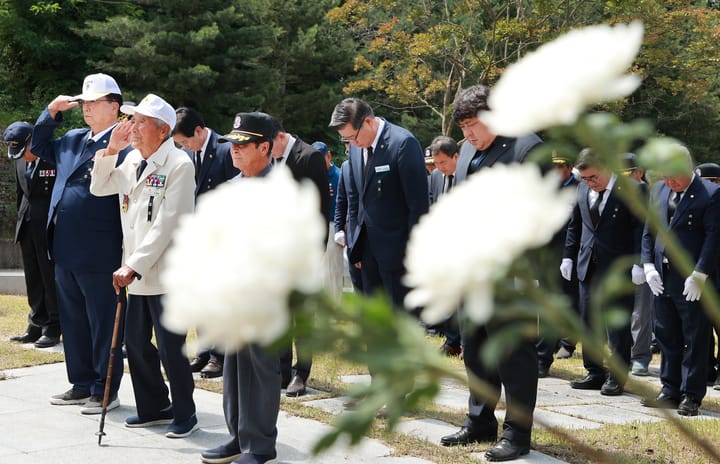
(554, 84)
(235, 261)
(470, 237)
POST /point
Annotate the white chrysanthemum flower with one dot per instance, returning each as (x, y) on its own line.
(235, 261)
(470, 237)
(554, 84)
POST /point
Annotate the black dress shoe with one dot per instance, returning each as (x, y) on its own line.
(689, 406)
(506, 450)
(661, 401)
(221, 454)
(46, 341)
(213, 369)
(197, 364)
(543, 371)
(590, 382)
(296, 387)
(31, 335)
(464, 437)
(611, 388)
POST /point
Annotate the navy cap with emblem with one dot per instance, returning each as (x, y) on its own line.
(16, 136)
(321, 147)
(708, 171)
(251, 127)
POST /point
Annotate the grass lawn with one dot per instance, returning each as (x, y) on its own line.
(647, 443)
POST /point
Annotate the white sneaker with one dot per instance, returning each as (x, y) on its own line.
(94, 404)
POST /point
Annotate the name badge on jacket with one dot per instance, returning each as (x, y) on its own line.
(46, 172)
(383, 168)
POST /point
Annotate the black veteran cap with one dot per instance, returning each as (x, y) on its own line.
(708, 170)
(251, 127)
(16, 137)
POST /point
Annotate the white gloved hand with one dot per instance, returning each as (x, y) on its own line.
(566, 267)
(653, 279)
(638, 275)
(694, 285)
(340, 238)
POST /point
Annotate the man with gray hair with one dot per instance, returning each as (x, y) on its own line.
(690, 207)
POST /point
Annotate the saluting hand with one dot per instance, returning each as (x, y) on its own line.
(61, 103)
(120, 138)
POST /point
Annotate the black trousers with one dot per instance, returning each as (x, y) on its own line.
(682, 331)
(303, 363)
(39, 281)
(151, 393)
(516, 373)
(619, 339)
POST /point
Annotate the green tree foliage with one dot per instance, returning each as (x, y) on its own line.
(210, 55)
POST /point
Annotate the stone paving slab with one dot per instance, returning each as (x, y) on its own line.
(559, 419)
(427, 429)
(35, 431)
(604, 413)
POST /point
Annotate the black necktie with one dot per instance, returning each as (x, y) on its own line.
(198, 164)
(367, 162)
(140, 169)
(672, 204)
(278, 160)
(450, 180)
(595, 209)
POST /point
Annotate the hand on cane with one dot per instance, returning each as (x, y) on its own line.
(123, 277)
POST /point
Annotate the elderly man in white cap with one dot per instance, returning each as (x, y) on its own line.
(85, 240)
(155, 186)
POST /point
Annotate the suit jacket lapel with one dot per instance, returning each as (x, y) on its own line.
(685, 201)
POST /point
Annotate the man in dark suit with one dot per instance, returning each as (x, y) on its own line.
(35, 180)
(251, 376)
(344, 222)
(388, 193)
(305, 162)
(565, 347)
(85, 239)
(444, 154)
(690, 207)
(601, 230)
(517, 373)
(213, 166)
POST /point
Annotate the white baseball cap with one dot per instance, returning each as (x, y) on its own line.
(96, 86)
(154, 107)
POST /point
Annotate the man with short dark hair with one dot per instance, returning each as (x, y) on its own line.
(304, 162)
(35, 179)
(602, 229)
(444, 153)
(517, 372)
(213, 166)
(251, 377)
(388, 194)
(85, 239)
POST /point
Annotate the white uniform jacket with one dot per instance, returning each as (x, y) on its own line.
(150, 207)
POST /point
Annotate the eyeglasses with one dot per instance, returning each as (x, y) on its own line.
(353, 138)
(92, 102)
(592, 178)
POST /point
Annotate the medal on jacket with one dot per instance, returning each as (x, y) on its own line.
(125, 202)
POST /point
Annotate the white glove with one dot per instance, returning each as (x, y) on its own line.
(653, 279)
(694, 285)
(638, 275)
(566, 267)
(340, 238)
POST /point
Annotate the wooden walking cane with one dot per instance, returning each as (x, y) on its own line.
(113, 347)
